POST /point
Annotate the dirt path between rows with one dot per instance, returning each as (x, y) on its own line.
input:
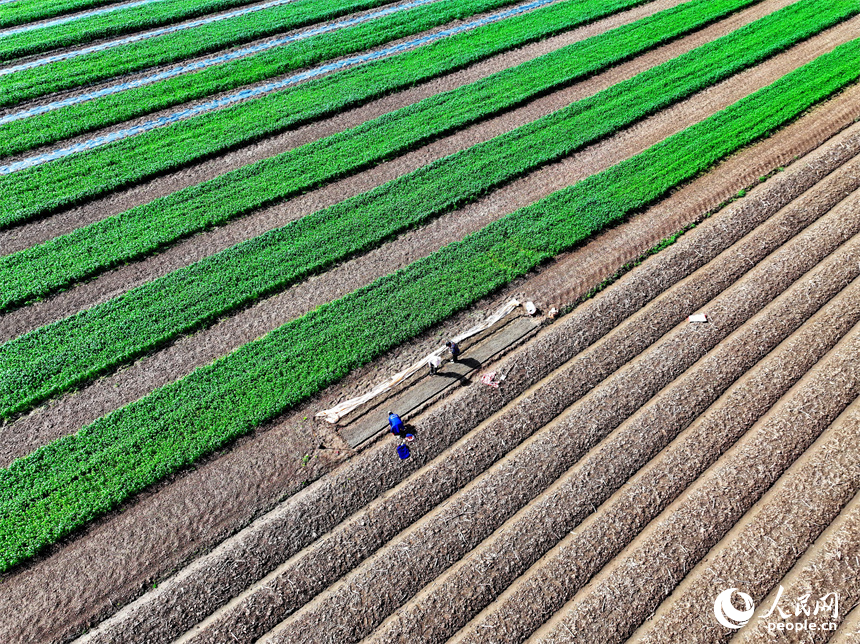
(66, 221)
(118, 557)
(71, 412)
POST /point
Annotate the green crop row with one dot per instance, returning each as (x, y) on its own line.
(40, 270)
(69, 352)
(57, 489)
(279, 110)
(180, 45)
(115, 23)
(24, 11)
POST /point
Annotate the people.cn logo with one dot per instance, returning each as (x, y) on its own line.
(728, 615)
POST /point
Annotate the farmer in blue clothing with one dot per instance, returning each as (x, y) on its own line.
(454, 348)
(396, 424)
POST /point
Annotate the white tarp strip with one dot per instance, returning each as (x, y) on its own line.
(339, 411)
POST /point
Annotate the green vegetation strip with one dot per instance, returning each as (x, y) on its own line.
(24, 11)
(51, 492)
(196, 138)
(57, 357)
(59, 262)
(180, 45)
(115, 23)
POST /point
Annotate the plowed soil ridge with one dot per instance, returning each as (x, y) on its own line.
(831, 565)
(767, 541)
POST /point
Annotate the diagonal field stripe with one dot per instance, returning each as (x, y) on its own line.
(250, 93)
(144, 36)
(60, 21)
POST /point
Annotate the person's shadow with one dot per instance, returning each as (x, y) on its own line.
(463, 379)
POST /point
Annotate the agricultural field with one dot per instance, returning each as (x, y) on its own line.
(221, 218)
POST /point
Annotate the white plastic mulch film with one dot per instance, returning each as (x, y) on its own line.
(339, 411)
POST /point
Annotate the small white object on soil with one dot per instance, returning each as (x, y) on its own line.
(698, 317)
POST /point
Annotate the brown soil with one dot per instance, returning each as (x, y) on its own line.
(651, 567)
(63, 222)
(832, 564)
(453, 226)
(203, 497)
(849, 631)
(546, 586)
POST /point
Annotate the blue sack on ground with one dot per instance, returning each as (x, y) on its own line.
(403, 452)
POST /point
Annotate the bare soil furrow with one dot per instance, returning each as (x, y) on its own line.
(65, 221)
(471, 584)
(552, 581)
(831, 565)
(451, 226)
(482, 505)
(651, 567)
(767, 541)
(289, 587)
(122, 555)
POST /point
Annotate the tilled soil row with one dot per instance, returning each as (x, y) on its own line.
(626, 592)
(767, 542)
(290, 586)
(831, 565)
(461, 592)
(769, 538)
(63, 222)
(53, 587)
(494, 497)
(555, 579)
(452, 226)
